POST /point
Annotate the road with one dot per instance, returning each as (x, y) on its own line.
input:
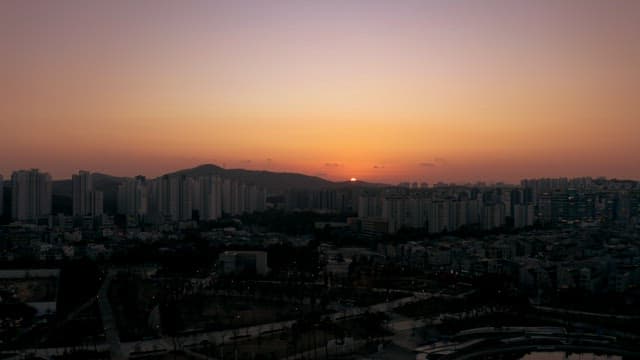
(219, 337)
(108, 321)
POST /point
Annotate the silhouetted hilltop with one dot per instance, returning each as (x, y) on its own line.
(273, 181)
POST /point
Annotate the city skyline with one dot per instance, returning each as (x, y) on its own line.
(379, 91)
(429, 182)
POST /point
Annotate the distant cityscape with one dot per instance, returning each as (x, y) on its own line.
(160, 200)
(380, 209)
(202, 262)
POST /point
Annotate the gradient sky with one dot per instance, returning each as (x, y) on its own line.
(378, 90)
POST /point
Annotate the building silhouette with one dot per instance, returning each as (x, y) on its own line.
(86, 201)
(30, 195)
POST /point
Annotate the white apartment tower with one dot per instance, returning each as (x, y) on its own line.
(395, 211)
(82, 186)
(185, 197)
(230, 197)
(438, 216)
(86, 201)
(132, 196)
(209, 197)
(175, 197)
(523, 215)
(369, 205)
(493, 216)
(31, 195)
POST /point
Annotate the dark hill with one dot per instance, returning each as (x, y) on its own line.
(273, 181)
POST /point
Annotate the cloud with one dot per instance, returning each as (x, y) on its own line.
(378, 166)
(438, 161)
(246, 161)
(330, 164)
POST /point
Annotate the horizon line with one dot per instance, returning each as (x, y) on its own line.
(391, 184)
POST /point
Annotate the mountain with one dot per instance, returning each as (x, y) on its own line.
(273, 181)
(276, 182)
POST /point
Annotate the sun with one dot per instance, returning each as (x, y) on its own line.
(353, 179)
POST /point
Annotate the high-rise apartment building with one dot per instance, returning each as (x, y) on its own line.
(439, 216)
(369, 206)
(81, 187)
(132, 196)
(30, 195)
(209, 197)
(493, 216)
(395, 210)
(523, 215)
(86, 201)
(230, 197)
(181, 197)
(175, 196)
(96, 203)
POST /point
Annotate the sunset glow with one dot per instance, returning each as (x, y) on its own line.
(374, 90)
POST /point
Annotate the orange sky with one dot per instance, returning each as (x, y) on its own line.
(378, 90)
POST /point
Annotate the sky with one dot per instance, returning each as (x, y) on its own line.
(384, 91)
